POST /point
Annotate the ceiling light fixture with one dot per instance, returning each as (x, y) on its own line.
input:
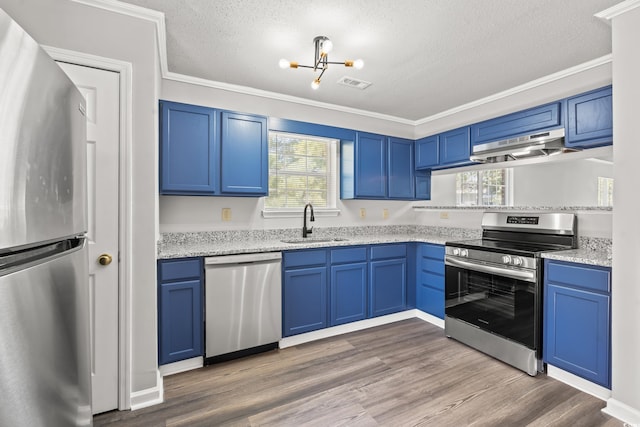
(321, 60)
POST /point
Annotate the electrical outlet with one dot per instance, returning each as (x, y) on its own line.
(226, 214)
(363, 213)
(385, 213)
(444, 215)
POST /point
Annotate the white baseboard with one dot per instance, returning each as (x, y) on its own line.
(630, 416)
(181, 366)
(346, 328)
(436, 321)
(579, 383)
(148, 397)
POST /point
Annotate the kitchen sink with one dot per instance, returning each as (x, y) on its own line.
(303, 240)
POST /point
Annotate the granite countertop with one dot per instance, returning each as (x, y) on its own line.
(188, 249)
(582, 256)
(593, 251)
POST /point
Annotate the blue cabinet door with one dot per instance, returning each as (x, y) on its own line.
(188, 149)
(244, 155)
(576, 332)
(348, 293)
(427, 152)
(590, 119)
(535, 119)
(400, 169)
(180, 321)
(430, 279)
(304, 300)
(387, 286)
(423, 185)
(370, 166)
(455, 147)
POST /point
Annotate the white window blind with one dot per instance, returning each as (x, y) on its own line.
(484, 188)
(302, 169)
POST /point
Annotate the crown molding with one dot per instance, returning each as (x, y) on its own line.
(159, 20)
(522, 88)
(618, 9)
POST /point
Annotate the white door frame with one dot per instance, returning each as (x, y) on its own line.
(125, 69)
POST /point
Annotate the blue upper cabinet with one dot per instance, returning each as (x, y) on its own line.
(370, 166)
(535, 119)
(244, 154)
(188, 159)
(401, 182)
(590, 119)
(204, 151)
(454, 147)
(423, 184)
(427, 150)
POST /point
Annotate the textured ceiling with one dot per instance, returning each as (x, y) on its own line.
(422, 56)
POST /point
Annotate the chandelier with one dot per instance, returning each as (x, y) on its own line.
(321, 60)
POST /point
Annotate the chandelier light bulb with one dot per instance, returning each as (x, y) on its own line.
(358, 64)
(326, 46)
(284, 63)
(315, 84)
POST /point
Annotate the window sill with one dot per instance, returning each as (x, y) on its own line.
(295, 213)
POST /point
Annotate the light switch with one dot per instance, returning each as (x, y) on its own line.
(226, 214)
(385, 213)
(363, 213)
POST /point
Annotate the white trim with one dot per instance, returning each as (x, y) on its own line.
(125, 238)
(581, 384)
(345, 329)
(436, 321)
(181, 366)
(518, 89)
(158, 19)
(618, 9)
(630, 416)
(281, 97)
(148, 397)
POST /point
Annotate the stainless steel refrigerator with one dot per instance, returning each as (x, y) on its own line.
(44, 297)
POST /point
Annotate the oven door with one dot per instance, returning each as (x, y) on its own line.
(501, 300)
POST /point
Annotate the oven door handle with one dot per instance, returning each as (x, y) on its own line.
(525, 275)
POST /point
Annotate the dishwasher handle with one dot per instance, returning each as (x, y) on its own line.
(243, 258)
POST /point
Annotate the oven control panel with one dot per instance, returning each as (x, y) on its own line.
(489, 257)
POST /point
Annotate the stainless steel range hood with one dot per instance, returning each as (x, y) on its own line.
(523, 147)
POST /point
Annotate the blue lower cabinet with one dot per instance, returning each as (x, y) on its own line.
(387, 286)
(577, 334)
(430, 279)
(348, 293)
(180, 320)
(304, 300)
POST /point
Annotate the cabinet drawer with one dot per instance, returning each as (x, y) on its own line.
(304, 258)
(433, 251)
(179, 269)
(388, 251)
(432, 280)
(583, 276)
(340, 256)
(432, 265)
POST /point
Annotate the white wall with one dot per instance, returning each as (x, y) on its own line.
(80, 28)
(625, 393)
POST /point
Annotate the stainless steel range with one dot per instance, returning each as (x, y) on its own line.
(493, 285)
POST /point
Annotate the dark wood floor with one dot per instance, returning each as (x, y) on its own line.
(402, 374)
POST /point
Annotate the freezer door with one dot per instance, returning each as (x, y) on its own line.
(44, 331)
(42, 145)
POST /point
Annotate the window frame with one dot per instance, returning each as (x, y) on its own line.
(333, 179)
(478, 202)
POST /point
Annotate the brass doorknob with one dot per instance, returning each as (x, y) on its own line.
(105, 259)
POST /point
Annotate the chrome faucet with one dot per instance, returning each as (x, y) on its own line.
(305, 230)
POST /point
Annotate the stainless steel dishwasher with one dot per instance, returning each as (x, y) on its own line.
(243, 303)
